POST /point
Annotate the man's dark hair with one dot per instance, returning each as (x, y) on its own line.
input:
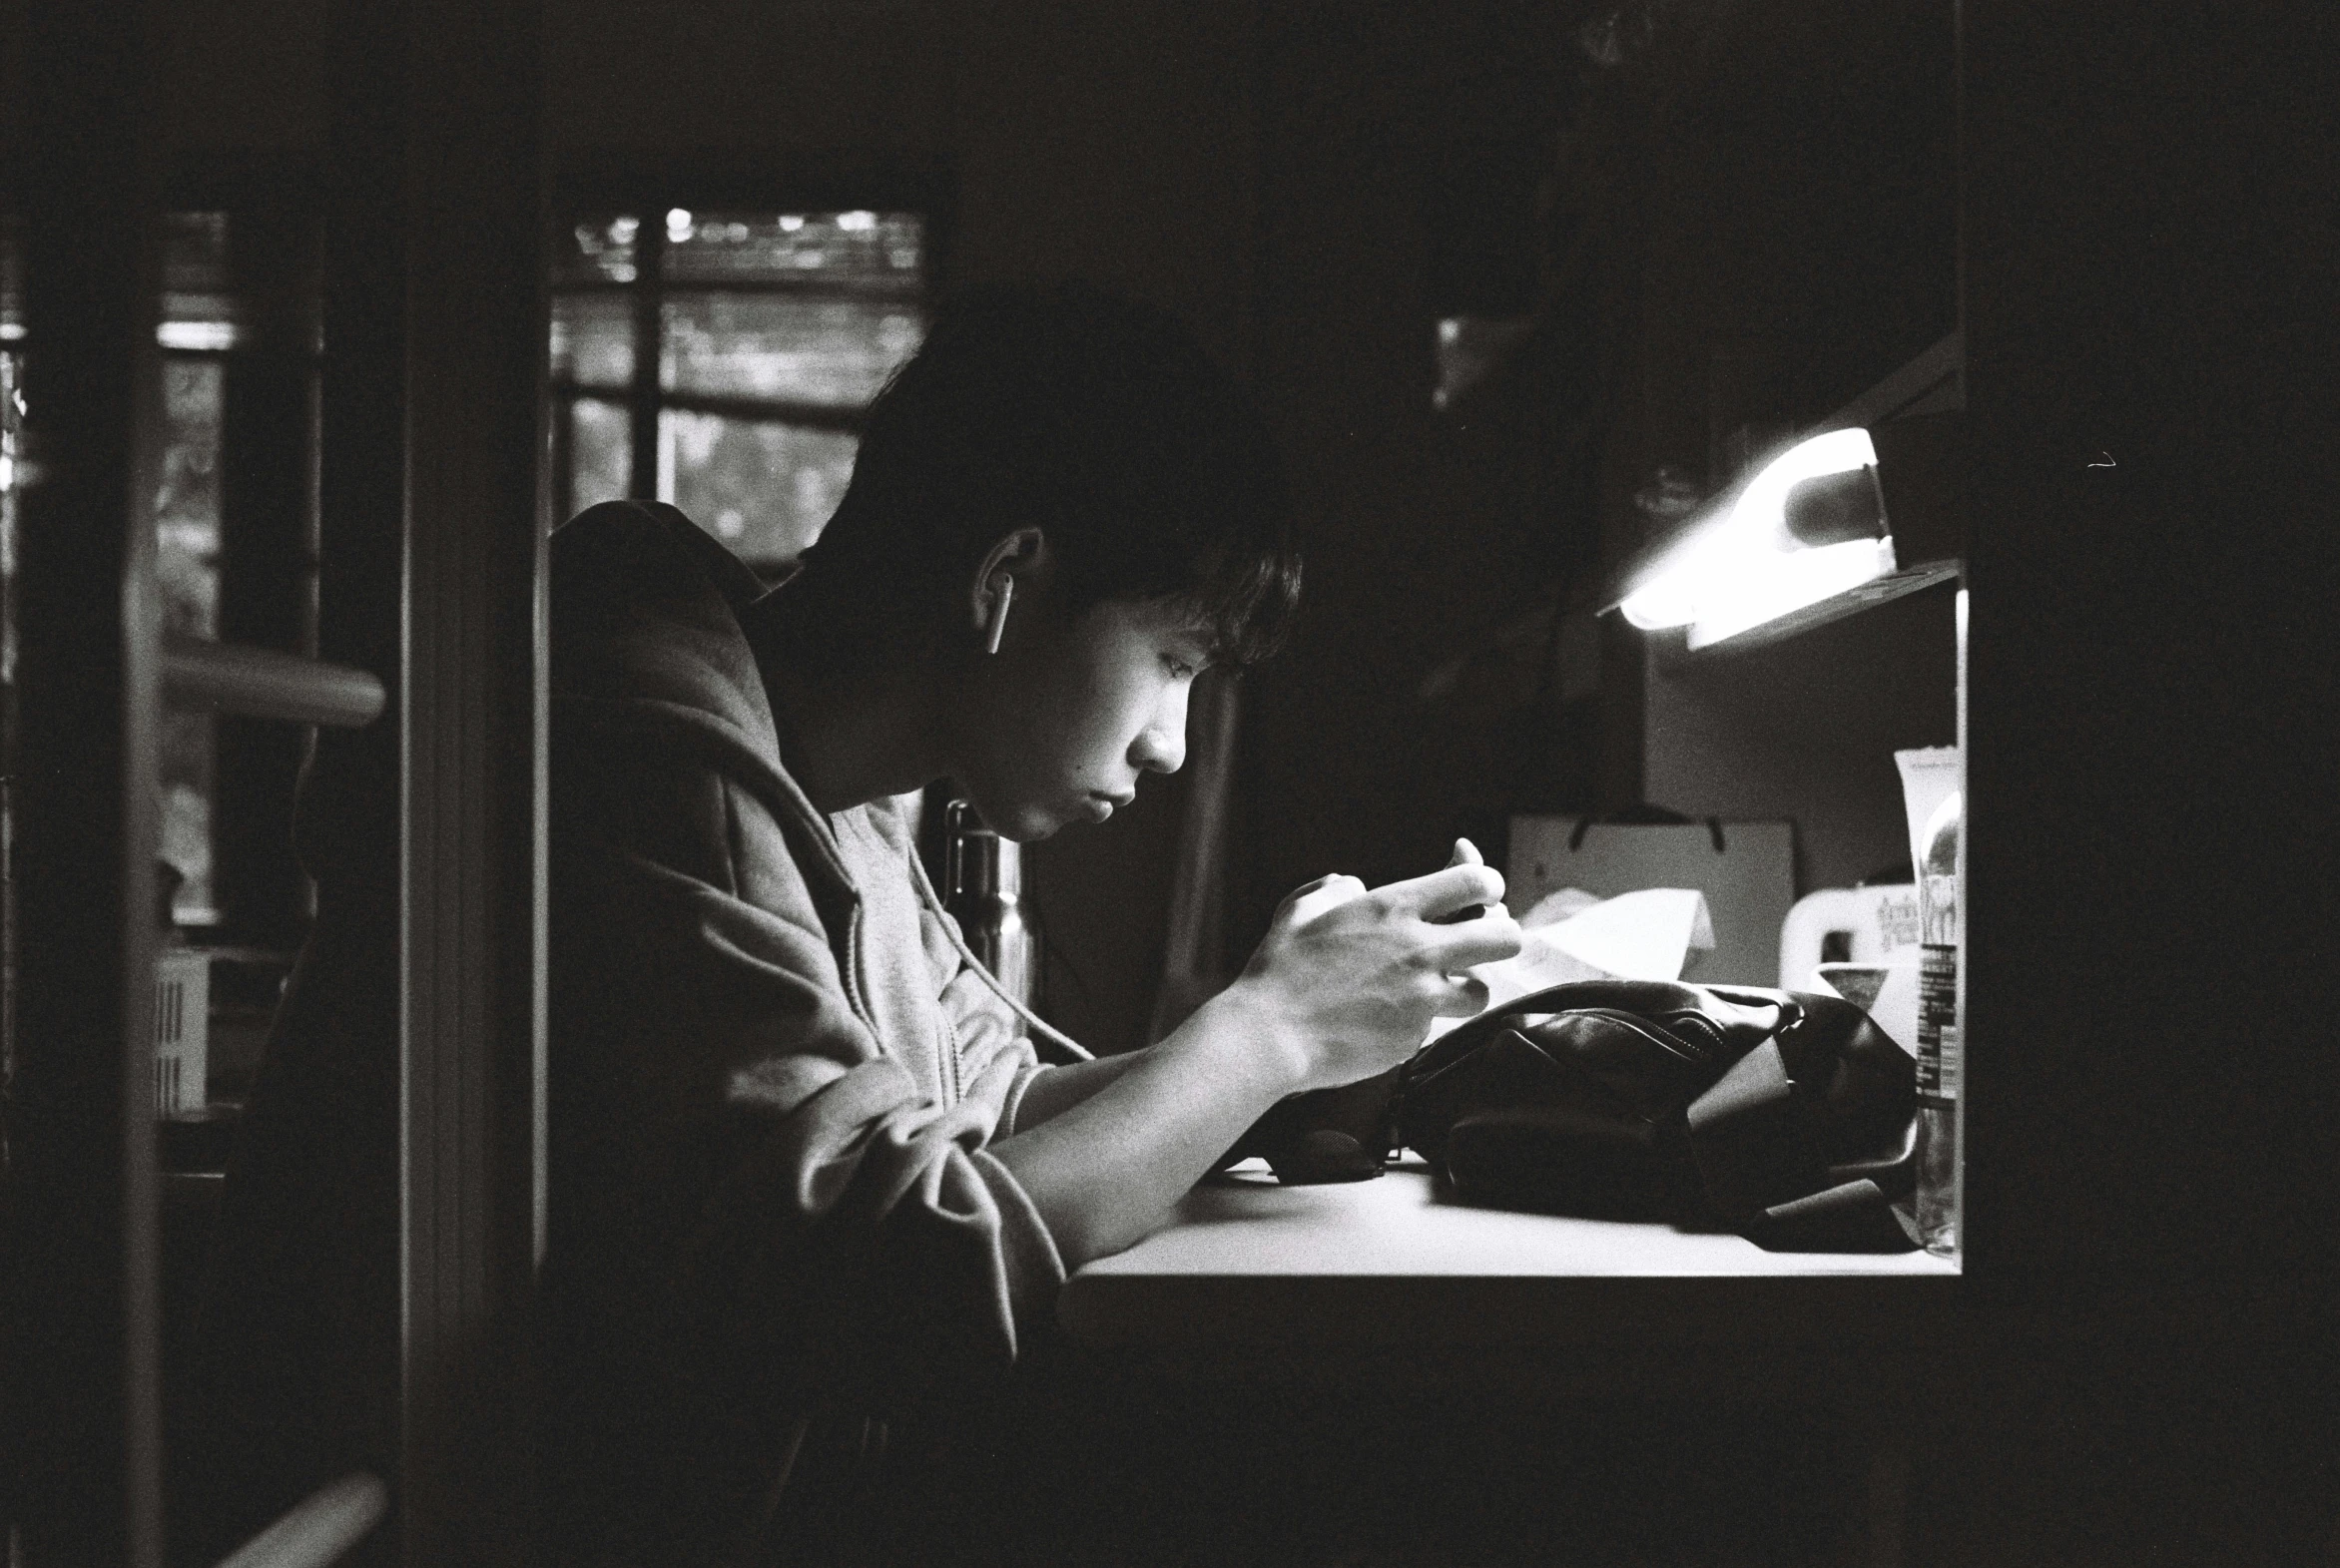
(1095, 418)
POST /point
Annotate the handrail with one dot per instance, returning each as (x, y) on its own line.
(319, 1529)
(260, 683)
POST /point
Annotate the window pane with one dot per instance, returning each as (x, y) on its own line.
(187, 570)
(593, 339)
(189, 748)
(834, 352)
(601, 452)
(765, 489)
(11, 367)
(878, 252)
(11, 288)
(198, 309)
(187, 506)
(598, 248)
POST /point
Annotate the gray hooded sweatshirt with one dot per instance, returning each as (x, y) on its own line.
(775, 1073)
(775, 1069)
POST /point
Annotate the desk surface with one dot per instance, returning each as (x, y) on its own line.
(1394, 1261)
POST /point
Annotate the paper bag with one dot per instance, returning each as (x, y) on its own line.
(1749, 881)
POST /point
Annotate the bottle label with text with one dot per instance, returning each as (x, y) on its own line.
(1938, 1024)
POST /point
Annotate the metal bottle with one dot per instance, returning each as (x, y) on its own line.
(984, 892)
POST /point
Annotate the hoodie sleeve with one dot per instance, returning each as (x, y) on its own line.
(757, 1160)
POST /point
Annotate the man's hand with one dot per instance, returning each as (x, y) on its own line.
(1348, 978)
(1343, 986)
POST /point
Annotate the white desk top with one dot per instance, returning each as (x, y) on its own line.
(1247, 1261)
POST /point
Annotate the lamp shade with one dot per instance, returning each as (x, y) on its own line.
(1808, 523)
(1806, 536)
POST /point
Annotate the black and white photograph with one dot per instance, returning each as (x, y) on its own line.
(1167, 784)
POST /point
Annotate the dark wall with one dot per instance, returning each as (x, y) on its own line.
(1403, 162)
(1115, 143)
(2149, 277)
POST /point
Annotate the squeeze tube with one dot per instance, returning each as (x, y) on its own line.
(1929, 774)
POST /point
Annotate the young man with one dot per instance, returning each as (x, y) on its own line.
(806, 1156)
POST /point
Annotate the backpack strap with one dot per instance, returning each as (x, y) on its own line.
(1758, 1139)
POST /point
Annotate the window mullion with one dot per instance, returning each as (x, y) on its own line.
(562, 480)
(649, 342)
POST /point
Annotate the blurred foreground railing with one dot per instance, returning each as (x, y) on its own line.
(260, 683)
(321, 1530)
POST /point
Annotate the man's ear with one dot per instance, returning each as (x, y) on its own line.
(1022, 556)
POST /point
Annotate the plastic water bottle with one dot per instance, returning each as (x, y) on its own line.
(984, 893)
(1940, 1042)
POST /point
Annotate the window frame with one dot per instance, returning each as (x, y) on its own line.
(597, 185)
(267, 551)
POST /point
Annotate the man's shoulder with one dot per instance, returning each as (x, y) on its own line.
(645, 610)
(644, 548)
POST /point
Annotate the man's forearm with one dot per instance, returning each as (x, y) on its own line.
(1059, 1089)
(1105, 1168)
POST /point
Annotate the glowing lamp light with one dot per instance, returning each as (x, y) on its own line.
(1787, 583)
(1748, 566)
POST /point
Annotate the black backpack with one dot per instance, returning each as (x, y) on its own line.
(1787, 1117)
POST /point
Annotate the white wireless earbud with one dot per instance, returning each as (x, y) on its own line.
(1002, 594)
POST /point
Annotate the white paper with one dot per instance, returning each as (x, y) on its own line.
(1648, 935)
(1748, 878)
(1645, 936)
(1896, 1008)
